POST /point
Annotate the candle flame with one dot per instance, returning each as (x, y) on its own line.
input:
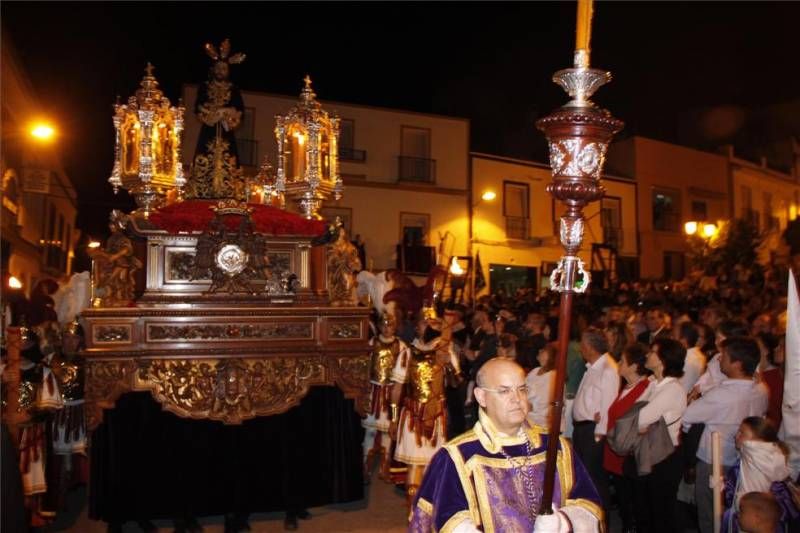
(455, 268)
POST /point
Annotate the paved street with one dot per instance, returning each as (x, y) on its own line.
(382, 511)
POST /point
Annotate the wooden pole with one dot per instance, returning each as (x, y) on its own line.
(583, 28)
(716, 479)
(556, 409)
(11, 380)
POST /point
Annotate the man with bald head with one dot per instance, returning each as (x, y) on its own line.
(491, 477)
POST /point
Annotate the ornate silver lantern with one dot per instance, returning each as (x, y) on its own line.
(147, 154)
(308, 158)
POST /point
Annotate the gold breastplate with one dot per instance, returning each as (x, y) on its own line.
(426, 377)
(384, 355)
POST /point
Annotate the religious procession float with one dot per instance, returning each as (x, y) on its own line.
(223, 299)
(224, 359)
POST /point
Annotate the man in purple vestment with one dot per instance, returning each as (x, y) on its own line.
(491, 478)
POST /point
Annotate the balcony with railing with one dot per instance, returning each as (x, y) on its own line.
(613, 236)
(351, 155)
(518, 227)
(417, 169)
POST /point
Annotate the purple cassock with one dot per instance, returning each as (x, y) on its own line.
(472, 485)
(790, 514)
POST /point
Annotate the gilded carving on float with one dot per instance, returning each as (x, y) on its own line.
(234, 258)
(344, 330)
(229, 332)
(114, 266)
(229, 390)
(343, 264)
(352, 376)
(116, 333)
(180, 267)
(105, 382)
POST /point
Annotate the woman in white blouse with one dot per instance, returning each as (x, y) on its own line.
(540, 383)
(666, 399)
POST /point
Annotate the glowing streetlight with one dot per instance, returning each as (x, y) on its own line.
(14, 283)
(709, 230)
(41, 131)
(94, 244)
(690, 227)
(488, 195)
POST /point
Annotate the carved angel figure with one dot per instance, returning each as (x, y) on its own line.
(343, 264)
(116, 266)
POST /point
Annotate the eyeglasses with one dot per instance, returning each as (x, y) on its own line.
(505, 392)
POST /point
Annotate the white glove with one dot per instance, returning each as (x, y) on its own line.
(551, 523)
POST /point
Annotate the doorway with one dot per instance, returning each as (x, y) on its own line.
(510, 278)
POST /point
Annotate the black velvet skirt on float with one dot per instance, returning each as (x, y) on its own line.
(150, 464)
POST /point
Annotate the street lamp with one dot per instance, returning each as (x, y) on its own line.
(699, 236)
(705, 230)
(488, 195)
(42, 131)
(14, 283)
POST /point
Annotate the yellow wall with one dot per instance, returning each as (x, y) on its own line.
(376, 217)
(696, 175)
(489, 231)
(785, 192)
(489, 225)
(377, 131)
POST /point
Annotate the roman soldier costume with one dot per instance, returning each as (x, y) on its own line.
(386, 349)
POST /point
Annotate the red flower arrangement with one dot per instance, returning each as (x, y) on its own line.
(195, 215)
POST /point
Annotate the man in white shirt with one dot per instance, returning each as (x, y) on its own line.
(695, 364)
(713, 375)
(722, 409)
(596, 393)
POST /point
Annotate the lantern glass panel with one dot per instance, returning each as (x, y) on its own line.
(163, 142)
(324, 153)
(296, 160)
(130, 146)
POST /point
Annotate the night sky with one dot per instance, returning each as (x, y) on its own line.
(489, 62)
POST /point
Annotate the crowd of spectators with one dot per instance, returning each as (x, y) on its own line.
(653, 369)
